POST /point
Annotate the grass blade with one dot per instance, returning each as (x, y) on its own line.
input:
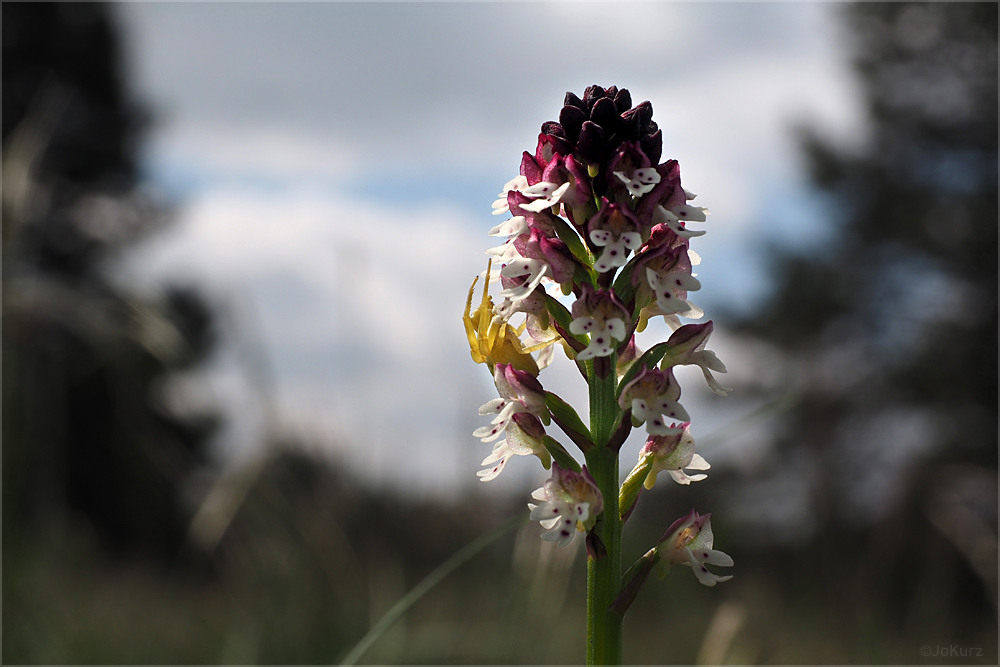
(429, 582)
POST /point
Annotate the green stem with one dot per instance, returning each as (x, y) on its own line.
(604, 627)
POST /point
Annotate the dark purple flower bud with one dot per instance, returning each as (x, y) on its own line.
(530, 424)
(582, 191)
(642, 114)
(571, 118)
(623, 100)
(523, 382)
(560, 259)
(689, 338)
(592, 144)
(652, 146)
(573, 101)
(605, 114)
(553, 128)
(592, 94)
(645, 111)
(629, 128)
(661, 236)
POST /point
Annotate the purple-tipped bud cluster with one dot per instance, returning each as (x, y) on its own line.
(593, 127)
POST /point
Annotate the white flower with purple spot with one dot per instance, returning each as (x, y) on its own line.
(569, 502)
(668, 289)
(616, 250)
(517, 442)
(615, 229)
(652, 395)
(689, 541)
(641, 181)
(520, 392)
(512, 229)
(674, 454)
(676, 217)
(545, 195)
(517, 183)
(601, 315)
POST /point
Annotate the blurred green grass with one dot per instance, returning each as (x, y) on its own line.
(311, 561)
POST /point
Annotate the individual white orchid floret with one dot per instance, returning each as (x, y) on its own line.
(687, 347)
(667, 288)
(652, 395)
(518, 183)
(673, 453)
(664, 279)
(675, 218)
(689, 542)
(642, 181)
(616, 229)
(600, 314)
(615, 249)
(517, 442)
(534, 271)
(513, 228)
(570, 502)
(520, 392)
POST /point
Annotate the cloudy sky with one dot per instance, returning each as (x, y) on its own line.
(333, 167)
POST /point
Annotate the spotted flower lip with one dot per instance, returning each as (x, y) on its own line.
(666, 203)
(545, 195)
(549, 165)
(689, 541)
(652, 395)
(615, 229)
(672, 453)
(500, 206)
(600, 314)
(517, 441)
(663, 278)
(631, 167)
(570, 502)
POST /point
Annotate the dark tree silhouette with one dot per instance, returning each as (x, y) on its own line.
(891, 327)
(86, 440)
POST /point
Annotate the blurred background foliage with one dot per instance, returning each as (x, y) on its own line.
(123, 543)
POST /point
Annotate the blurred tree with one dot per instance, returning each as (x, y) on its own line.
(890, 328)
(87, 441)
